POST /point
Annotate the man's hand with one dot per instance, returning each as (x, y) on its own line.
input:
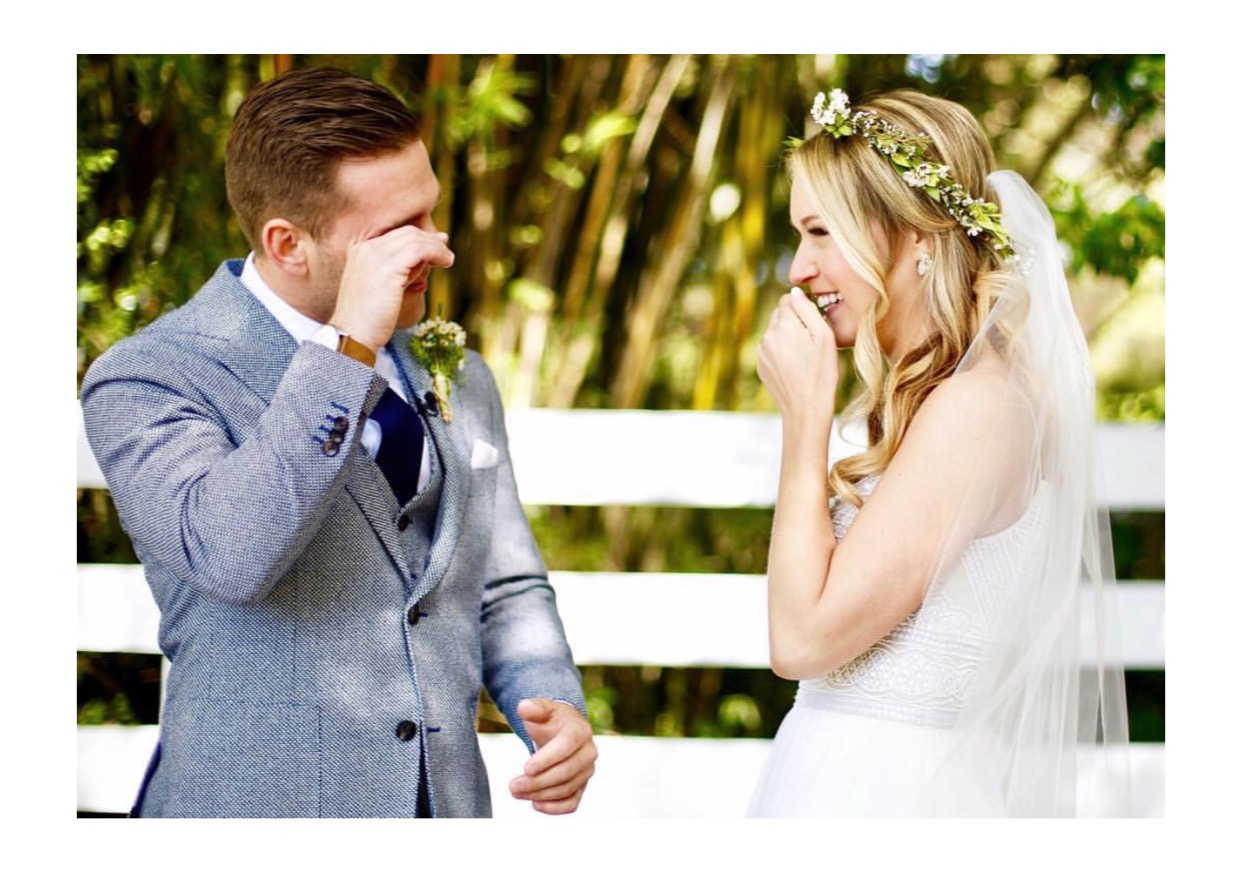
(379, 272)
(564, 758)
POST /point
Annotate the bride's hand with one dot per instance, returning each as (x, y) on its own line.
(798, 360)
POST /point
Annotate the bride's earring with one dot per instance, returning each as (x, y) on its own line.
(924, 264)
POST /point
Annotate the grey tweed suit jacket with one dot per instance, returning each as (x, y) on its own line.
(327, 656)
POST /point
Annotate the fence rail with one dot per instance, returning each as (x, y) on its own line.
(705, 619)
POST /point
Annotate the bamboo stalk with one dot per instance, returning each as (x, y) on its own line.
(580, 330)
(585, 335)
(602, 191)
(443, 73)
(679, 242)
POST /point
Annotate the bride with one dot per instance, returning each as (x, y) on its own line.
(929, 592)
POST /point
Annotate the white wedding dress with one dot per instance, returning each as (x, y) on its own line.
(877, 736)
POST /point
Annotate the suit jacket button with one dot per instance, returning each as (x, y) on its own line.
(413, 614)
(331, 447)
(403, 522)
(340, 424)
(407, 730)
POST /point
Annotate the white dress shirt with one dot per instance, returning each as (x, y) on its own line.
(302, 327)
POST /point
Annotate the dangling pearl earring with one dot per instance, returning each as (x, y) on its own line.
(924, 264)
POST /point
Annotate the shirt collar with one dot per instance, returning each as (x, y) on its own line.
(302, 326)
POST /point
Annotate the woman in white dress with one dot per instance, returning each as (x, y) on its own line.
(941, 595)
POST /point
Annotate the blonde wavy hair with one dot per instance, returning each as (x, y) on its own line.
(854, 186)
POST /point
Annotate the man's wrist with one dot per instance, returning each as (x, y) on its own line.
(330, 336)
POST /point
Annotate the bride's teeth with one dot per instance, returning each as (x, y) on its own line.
(826, 301)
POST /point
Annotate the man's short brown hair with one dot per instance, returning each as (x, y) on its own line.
(290, 134)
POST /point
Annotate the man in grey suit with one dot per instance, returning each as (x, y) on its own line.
(338, 569)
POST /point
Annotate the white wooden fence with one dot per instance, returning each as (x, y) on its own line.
(569, 458)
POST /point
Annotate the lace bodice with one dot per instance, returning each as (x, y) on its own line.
(922, 672)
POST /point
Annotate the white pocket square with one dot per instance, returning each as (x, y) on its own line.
(484, 455)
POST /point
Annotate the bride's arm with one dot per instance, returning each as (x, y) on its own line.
(828, 601)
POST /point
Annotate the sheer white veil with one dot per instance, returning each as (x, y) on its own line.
(1046, 702)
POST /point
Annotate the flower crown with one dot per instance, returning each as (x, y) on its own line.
(905, 152)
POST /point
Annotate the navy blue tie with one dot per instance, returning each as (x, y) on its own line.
(401, 445)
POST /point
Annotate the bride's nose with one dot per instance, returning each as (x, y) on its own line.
(802, 268)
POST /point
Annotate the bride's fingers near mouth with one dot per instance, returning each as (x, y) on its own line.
(804, 307)
(792, 317)
(793, 306)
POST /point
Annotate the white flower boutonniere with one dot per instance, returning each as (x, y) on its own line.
(440, 346)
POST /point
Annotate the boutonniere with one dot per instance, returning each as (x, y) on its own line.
(440, 346)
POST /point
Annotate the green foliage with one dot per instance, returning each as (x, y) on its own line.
(1138, 545)
(741, 712)
(1131, 405)
(565, 172)
(600, 130)
(1128, 93)
(676, 701)
(118, 688)
(532, 296)
(1145, 701)
(579, 150)
(151, 210)
(114, 711)
(90, 165)
(653, 539)
(1114, 242)
(492, 100)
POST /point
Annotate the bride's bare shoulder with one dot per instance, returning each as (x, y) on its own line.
(981, 389)
(979, 418)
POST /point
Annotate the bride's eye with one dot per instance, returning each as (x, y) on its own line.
(818, 232)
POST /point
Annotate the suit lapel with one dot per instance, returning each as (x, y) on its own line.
(259, 348)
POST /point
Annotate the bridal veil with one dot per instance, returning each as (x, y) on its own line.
(1045, 699)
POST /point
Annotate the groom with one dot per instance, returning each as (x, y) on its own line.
(339, 568)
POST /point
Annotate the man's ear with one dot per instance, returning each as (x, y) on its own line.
(285, 246)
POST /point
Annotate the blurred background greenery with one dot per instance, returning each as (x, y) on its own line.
(622, 232)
